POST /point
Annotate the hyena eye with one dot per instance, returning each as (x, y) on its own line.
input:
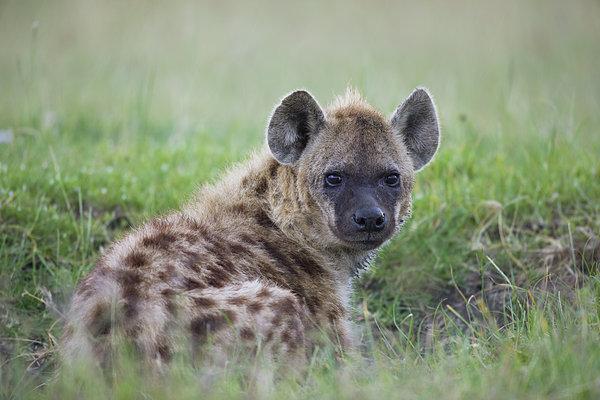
(392, 180)
(333, 179)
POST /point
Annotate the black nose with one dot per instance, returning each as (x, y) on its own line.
(369, 219)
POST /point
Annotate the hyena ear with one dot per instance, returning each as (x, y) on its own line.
(298, 118)
(417, 123)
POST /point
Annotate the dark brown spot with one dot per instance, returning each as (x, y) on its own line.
(169, 298)
(270, 335)
(248, 240)
(130, 308)
(224, 266)
(136, 259)
(100, 321)
(312, 302)
(130, 282)
(273, 168)
(201, 327)
(307, 264)
(217, 246)
(133, 330)
(219, 274)
(294, 342)
(191, 284)
(277, 318)
(285, 306)
(281, 260)
(333, 316)
(191, 260)
(255, 307)
(223, 270)
(286, 336)
(167, 273)
(215, 282)
(263, 219)
(160, 240)
(230, 316)
(240, 208)
(204, 302)
(264, 292)
(190, 237)
(130, 279)
(247, 334)
(239, 249)
(164, 350)
(238, 300)
(261, 187)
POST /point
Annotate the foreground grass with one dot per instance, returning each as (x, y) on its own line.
(491, 291)
(550, 351)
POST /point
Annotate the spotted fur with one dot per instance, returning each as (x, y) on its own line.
(254, 258)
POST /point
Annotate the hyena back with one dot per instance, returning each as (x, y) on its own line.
(267, 254)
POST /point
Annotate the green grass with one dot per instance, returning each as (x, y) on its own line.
(119, 110)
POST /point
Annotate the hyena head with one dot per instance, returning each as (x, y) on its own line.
(357, 166)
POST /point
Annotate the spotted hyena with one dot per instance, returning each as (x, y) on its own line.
(266, 255)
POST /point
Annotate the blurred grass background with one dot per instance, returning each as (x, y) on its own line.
(116, 111)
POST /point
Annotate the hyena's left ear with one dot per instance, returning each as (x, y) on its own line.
(417, 123)
(298, 118)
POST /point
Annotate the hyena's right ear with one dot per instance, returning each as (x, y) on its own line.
(298, 118)
(417, 123)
